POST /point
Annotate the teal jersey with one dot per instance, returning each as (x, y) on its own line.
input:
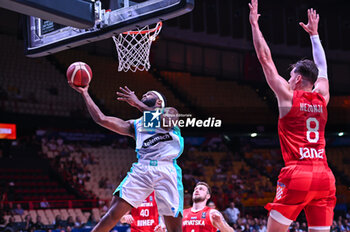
(159, 144)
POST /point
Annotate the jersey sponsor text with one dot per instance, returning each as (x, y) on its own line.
(311, 153)
(148, 222)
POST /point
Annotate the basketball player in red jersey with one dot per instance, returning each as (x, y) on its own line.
(306, 183)
(201, 218)
(145, 218)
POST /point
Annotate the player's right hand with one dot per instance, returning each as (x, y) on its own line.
(127, 219)
(253, 15)
(312, 25)
(80, 90)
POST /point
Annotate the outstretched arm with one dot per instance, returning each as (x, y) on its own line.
(130, 97)
(321, 85)
(219, 222)
(278, 84)
(112, 123)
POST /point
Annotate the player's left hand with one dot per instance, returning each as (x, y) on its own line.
(253, 15)
(312, 25)
(159, 228)
(128, 96)
(127, 219)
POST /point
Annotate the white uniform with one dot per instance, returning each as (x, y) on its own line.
(156, 170)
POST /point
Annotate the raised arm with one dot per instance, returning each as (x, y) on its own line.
(321, 85)
(112, 123)
(219, 222)
(277, 83)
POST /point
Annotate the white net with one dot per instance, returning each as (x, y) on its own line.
(133, 48)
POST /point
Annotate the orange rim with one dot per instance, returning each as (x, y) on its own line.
(145, 31)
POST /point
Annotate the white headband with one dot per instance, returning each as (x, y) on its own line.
(159, 96)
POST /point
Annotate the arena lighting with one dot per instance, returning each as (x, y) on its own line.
(340, 133)
(253, 135)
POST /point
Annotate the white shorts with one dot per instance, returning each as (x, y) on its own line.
(162, 177)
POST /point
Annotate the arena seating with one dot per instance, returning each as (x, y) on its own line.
(33, 86)
(107, 163)
(112, 164)
(33, 185)
(233, 102)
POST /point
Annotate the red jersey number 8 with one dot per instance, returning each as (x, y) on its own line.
(312, 130)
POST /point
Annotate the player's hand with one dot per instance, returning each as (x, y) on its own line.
(127, 219)
(128, 96)
(216, 218)
(80, 90)
(159, 228)
(312, 25)
(253, 15)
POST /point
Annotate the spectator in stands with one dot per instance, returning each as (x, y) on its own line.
(78, 223)
(59, 223)
(39, 225)
(232, 214)
(262, 228)
(18, 210)
(11, 225)
(70, 221)
(28, 223)
(2, 219)
(211, 205)
(44, 203)
(68, 229)
(347, 224)
(303, 226)
(91, 222)
(102, 182)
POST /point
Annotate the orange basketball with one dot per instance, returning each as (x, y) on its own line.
(79, 74)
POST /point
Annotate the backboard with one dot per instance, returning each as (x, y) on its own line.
(46, 37)
(75, 13)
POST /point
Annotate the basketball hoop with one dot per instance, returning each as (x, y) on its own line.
(133, 48)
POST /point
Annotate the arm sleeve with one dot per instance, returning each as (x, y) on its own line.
(319, 56)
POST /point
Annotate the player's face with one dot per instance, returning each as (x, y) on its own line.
(149, 99)
(200, 194)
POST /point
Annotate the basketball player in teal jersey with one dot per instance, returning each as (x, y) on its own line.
(156, 169)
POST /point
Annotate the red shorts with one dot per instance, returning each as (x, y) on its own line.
(306, 186)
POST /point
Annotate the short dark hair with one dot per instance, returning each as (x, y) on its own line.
(205, 184)
(307, 69)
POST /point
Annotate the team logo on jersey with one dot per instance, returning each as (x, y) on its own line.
(150, 198)
(280, 190)
(151, 119)
(157, 138)
(204, 214)
(193, 218)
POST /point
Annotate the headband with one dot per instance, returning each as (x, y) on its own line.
(159, 96)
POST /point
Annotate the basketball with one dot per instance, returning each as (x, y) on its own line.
(79, 74)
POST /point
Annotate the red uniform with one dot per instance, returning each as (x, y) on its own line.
(197, 221)
(306, 182)
(145, 216)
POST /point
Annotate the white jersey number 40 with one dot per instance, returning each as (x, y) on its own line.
(144, 213)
